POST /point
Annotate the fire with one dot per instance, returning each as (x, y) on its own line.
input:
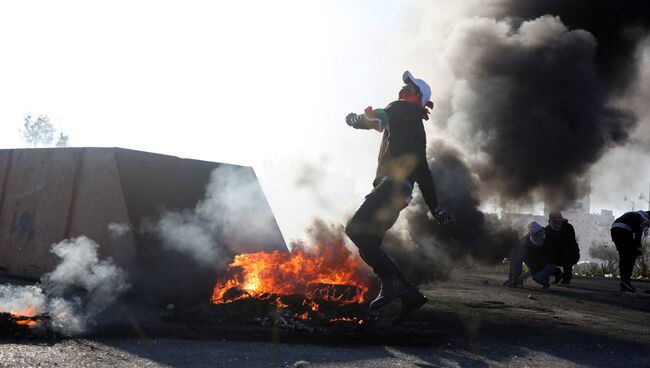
(327, 271)
(348, 319)
(25, 312)
(23, 315)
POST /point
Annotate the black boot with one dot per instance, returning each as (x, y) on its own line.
(391, 289)
(413, 300)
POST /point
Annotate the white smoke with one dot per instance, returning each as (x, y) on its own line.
(190, 233)
(118, 230)
(79, 288)
(233, 215)
(17, 299)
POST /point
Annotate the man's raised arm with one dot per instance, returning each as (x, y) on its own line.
(370, 119)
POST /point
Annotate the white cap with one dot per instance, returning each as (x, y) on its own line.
(424, 88)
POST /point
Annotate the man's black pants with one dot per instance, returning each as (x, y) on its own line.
(628, 250)
(369, 224)
(567, 259)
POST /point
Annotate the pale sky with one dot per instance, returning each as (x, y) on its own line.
(261, 83)
(256, 83)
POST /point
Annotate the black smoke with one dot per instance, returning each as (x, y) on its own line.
(427, 250)
(619, 26)
(532, 107)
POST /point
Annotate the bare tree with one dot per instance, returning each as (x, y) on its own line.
(37, 131)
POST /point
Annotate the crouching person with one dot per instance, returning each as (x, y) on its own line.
(534, 251)
(561, 239)
(627, 232)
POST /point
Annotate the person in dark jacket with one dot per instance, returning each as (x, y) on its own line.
(563, 246)
(533, 250)
(402, 162)
(627, 232)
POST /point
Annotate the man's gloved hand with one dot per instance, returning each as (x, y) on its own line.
(352, 119)
(441, 216)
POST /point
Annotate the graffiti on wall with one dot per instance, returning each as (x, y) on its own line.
(22, 223)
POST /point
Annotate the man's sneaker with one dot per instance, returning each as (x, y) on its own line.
(391, 290)
(565, 282)
(413, 300)
(626, 286)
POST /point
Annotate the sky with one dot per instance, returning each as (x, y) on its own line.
(258, 83)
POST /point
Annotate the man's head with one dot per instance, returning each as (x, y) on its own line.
(555, 219)
(415, 87)
(536, 233)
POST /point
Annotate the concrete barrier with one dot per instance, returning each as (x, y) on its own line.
(50, 194)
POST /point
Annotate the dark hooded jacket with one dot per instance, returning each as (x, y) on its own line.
(633, 222)
(562, 244)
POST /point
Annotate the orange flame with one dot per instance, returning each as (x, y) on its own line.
(348, 319)
(24, 315)
(327, 271)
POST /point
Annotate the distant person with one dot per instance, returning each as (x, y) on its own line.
(534, 251)
(564, 248)
(627, 232)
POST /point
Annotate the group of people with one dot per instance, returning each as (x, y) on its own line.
(547, 251)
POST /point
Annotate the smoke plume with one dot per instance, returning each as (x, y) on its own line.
(618, 26)
(533, 106)
(231, 216)
(79, 288)
(430, 250)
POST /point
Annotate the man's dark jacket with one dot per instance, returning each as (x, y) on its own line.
(402, 154)
(563, 245)
(633, 220)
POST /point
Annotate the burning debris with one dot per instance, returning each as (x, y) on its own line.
(323, 283)
(15, 324)
(19, 322)
(67, 299)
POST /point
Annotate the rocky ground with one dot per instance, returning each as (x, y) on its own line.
(470, 321)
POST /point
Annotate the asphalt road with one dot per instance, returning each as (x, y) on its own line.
(471, 321)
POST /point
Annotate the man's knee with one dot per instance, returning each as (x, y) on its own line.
(351, 229)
